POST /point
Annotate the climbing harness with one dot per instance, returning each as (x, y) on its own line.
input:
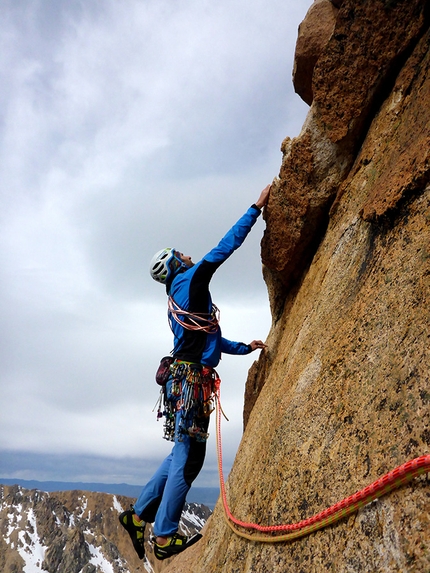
(206, 322)
(288, 532)
(191, 394)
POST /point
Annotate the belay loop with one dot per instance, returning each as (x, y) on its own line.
(206, 322)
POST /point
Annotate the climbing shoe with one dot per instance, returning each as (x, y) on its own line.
(135, 530)
(174, 545)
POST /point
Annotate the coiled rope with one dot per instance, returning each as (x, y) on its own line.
(288, 532)
(202, 321)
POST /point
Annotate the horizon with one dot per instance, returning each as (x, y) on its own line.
(204, 495)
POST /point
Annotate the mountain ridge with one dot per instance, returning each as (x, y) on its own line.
(75, 531)
(200, 495)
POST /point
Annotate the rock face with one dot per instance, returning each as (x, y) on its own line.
(314, 33)
(342, 395)
(74, 532)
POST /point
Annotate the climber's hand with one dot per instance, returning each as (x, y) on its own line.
(257, 344)
(264, 196)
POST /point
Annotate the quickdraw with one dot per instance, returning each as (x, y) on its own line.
(193, 388)
(206, 322)
(288, 532)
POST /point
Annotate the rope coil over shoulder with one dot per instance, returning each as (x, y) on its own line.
(206, 322)
(288, 532)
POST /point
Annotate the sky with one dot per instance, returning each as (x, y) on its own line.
(127, 126)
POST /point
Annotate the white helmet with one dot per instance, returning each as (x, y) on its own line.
(160, 265)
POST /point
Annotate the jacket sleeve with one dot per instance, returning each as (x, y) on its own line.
(233, 239)
(230, 347)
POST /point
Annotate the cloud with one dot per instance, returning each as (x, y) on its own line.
(126, 127)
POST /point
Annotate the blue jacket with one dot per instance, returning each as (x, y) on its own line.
(190, 291)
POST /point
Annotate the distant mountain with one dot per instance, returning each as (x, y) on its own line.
(201, 495)
(75, 531)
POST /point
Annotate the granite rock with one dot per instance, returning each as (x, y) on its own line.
(342, 394)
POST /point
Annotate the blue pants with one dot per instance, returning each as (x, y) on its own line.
(162, 499)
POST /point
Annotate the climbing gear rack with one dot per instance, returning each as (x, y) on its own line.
(192, 396)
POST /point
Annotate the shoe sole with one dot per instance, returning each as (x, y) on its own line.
(166, 553)
(132, 533)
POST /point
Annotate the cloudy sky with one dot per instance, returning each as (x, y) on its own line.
(127, 126)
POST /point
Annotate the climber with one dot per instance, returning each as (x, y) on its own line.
(190, 386)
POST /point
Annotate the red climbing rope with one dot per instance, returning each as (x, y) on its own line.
(392, 480)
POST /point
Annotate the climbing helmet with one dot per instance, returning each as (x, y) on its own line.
(164, 263)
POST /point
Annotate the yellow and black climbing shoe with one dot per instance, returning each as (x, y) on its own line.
(174, 545)
(135, 529)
